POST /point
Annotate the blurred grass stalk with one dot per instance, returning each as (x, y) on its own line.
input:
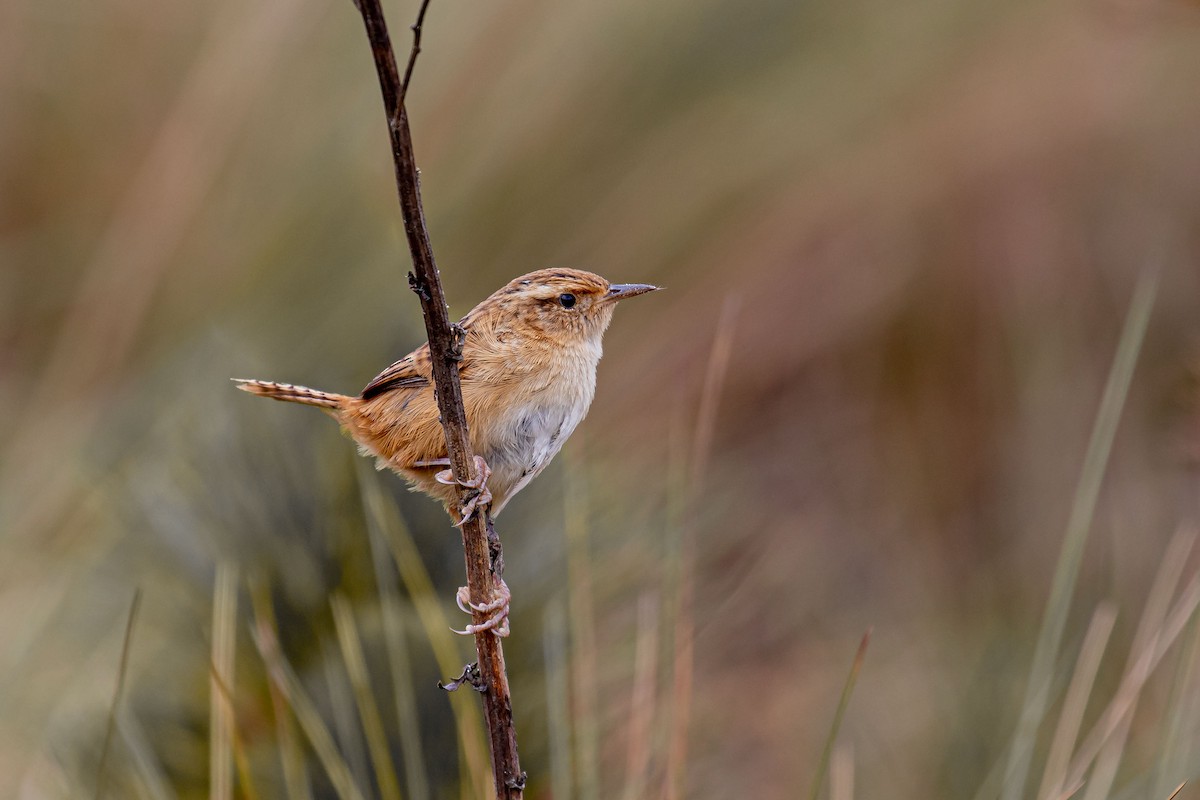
(296, 699)
(384, 520)
(684, 627)
(1037, 691)
(583, 629)
(368, 709)
(1175, 756)
(118, 692)
(1079, 691)
(644, 698)
(828, 750)
(558, 698)
(1149, 629)
(224, 648)
(403, 685)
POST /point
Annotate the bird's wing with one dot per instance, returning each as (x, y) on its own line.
(410, 372)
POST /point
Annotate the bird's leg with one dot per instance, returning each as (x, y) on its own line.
(432, 462)
(497, 622)
(481, 494)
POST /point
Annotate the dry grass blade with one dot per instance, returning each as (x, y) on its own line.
(145, 762)
(1067, 794)
(841, 773)
(122, 671)
(266, 639)
(240, 758)
(1142, 667)
(643, 701)
(843, 702)
(360, 681)
(1178, 789)
(1075, 704)
(558, 699)
(224, 648)
(386, 523)
(1174, 756)
(1157, 605)
(684, 632)
(342, 715)
(581, 607)
(403, 686)
(1095, 462)
(291, 755)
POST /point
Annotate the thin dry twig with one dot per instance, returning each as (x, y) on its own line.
(417, 28)
(481, 546)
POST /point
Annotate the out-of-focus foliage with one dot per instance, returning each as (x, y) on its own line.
(932, 216)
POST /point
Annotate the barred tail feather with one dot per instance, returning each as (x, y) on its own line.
(293, 394)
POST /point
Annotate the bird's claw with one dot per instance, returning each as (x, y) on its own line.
(497, 621)
(480, 496)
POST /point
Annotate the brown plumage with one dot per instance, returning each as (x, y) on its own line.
(528, 374)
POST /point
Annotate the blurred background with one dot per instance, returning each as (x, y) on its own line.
(901, 244)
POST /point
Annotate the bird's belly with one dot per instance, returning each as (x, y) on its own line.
(532, 438)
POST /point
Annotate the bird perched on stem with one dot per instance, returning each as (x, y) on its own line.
(528, 374)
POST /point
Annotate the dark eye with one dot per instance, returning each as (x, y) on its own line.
(567, 300)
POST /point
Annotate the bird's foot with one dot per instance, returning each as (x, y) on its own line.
(480, 494)
(497, 611)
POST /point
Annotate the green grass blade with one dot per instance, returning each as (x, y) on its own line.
(1173, 763)
(581, 608)
(446, 646)
(843, 702)
(281, 674)
(122, 672)
(1143, 665)
(1080, 689)
(1037, 691)
(224, 649)
(404, 689)
(1148, 631)
(368, 710)
(558, 698)
(643, 704)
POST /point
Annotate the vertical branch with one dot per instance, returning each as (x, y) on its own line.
(445, 349)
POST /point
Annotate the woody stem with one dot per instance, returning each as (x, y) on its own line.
(445, 351)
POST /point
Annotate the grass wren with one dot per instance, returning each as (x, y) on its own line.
(528, 375)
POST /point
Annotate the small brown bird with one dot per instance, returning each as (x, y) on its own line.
(528, 375)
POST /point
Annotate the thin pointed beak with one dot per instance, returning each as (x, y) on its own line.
(619, 291)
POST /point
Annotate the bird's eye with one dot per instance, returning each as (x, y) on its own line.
(567, 300)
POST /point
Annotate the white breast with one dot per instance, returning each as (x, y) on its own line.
(537, 431)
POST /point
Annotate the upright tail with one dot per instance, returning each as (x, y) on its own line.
(293, 394)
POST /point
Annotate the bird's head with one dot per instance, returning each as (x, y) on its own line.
(565, 305)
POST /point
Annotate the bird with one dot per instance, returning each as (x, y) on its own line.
(528, 376)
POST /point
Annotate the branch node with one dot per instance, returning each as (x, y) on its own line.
(418, 286)
(518, 782)
(471, 676)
